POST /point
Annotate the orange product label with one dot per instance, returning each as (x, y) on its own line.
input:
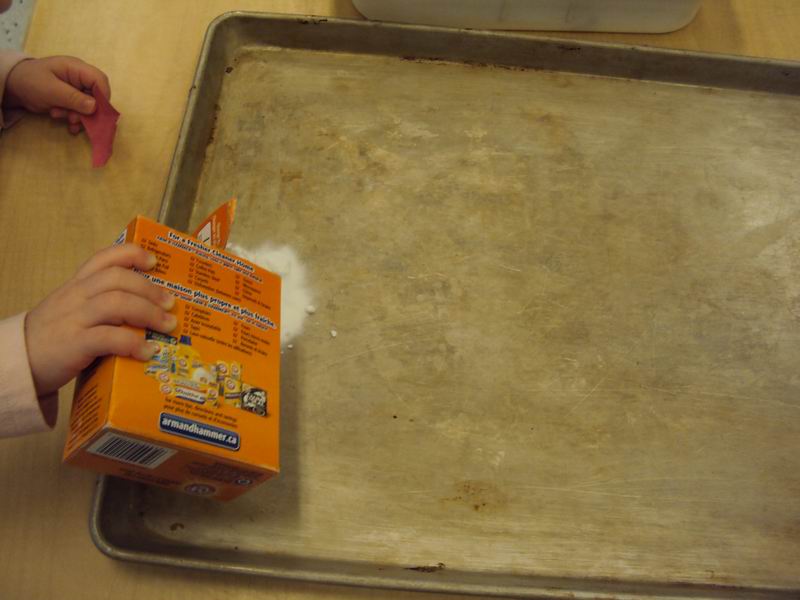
(202, 415)
(214, 231)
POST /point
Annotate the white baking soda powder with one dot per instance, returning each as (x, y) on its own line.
(296, 297)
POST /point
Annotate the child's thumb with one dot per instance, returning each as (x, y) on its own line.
(64, 95)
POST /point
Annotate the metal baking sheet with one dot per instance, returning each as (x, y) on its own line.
(565, 280)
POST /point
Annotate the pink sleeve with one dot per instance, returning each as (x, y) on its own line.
(8, 60)
(21, 411)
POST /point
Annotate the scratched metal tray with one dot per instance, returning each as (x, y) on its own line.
(566, 283)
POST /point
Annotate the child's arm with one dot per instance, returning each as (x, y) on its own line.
(81, 320)
(20, 410)
(8, 60)
(58, 85)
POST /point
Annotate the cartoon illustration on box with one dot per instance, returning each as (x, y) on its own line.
(181, 373)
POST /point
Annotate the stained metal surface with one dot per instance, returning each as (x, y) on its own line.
(565, 280)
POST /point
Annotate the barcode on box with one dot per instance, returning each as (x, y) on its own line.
(130, 450)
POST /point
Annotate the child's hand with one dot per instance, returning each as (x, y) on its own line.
(81, 320)
(55, 85)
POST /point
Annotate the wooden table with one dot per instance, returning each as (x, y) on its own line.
(55, 211)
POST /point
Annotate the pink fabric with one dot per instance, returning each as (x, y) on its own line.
(101, 126)
(21, 411)
(8, 60)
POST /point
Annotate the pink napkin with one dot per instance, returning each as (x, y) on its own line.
(101, 126)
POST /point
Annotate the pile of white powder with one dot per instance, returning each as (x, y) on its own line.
(296, 297)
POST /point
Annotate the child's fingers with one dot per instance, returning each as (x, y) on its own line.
(123, 255)
(107, 339)
(125, 280)
(124, 308)
(73, 118)
(60, 93)
(76, 125)
(91, 76)
(82, 75)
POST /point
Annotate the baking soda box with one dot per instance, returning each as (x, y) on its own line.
(202, 415)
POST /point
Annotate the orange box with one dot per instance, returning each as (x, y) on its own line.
(202, 416)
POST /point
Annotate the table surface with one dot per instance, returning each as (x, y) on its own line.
(55, 211)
